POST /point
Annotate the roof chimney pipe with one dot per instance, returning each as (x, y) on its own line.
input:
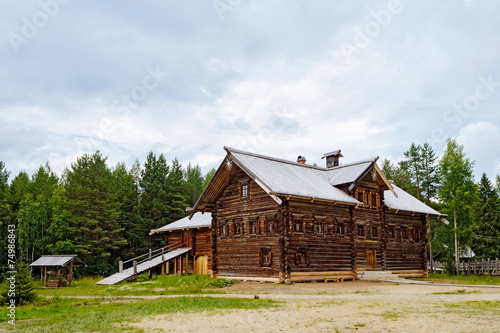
(332, 158)
(301, 159)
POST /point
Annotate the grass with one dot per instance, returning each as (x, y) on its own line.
(158, 285)
(105, 315)
(463, 279)
(456, 292)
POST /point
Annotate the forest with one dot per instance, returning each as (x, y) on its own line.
(104, 214)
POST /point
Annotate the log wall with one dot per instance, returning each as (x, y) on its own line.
(246, 231)
(319, 236)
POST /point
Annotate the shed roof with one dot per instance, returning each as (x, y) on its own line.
(199, 220)
(406, 202)
(57, 260)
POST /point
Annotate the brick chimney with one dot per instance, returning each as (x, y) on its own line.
(301, 159)
(332, 158)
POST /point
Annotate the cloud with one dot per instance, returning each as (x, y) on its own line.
(481, 143)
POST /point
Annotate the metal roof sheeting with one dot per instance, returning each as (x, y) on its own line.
(56, 260)
(407, 202)
(198, 220)
(289, 178)
(346, 174)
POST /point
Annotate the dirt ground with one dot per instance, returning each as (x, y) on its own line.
(354, 306)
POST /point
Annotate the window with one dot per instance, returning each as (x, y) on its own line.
(404, 233)
(244, 191)
(339, 228)
(253, 227)
(237, 229)
(391, 232)
(265, 257)
(223, 229)
(319, 227)
(361, 230)
(297, 225)
(302, 257)
(374, 199)
(271, 226)
(374, 232)
(360, 196)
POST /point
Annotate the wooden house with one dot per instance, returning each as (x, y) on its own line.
(284, 221)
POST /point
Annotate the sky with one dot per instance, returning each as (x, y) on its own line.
(279, 78)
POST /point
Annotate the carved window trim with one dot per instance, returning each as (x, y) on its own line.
(319, 228)
(223, 229)
(302, 257)
(265, 256)
(298, 225)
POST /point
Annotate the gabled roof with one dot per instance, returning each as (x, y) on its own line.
(199, 220)
(282, 178)
(57, 260)
(285, 178)
(348, 173)
(406, 202)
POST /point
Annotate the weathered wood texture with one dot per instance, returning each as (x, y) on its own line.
(247, 231)
(319, 237)
(405, 241)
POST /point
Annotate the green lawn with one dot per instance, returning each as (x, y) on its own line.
(463, 279)
(105, 315)
(158, 285)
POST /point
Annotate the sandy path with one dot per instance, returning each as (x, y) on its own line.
(346, 307)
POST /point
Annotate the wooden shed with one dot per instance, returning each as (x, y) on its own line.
(191, 233)
(63, 263)
(286, 221)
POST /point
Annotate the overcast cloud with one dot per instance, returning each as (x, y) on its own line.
(282, 78)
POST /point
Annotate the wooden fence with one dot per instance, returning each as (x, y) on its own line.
(472, 267)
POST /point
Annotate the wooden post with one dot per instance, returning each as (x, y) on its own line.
(162, 269)
(150, 274)
(70, 277)
(120, 266)
(175, 266)
(149, 254)
(135, 267)
(168, 267)
(45, 282)
(162, 254)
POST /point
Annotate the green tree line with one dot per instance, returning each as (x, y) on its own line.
(103, 214)
(447, 184)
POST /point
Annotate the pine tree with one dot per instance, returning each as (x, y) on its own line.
(94, 211)
(127, 191)
(194, 184)
(176, 191)
(487, 237)
(35, 214)
(414, 160)
(458, 193)
(430, 182)
(5, 213)
(154, 207)
(388, 169)
(24, 289)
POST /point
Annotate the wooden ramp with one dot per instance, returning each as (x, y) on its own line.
(143, 267)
